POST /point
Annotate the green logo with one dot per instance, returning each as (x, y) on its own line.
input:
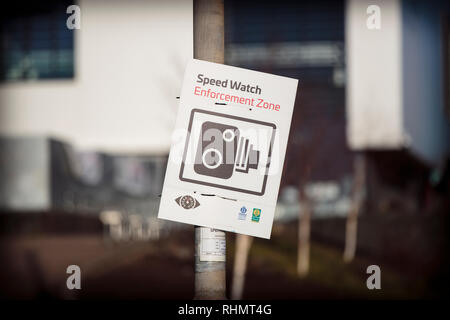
(256, 214)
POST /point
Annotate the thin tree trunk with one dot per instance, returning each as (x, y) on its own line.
(304, 230)
(243, 244)
(351, 232)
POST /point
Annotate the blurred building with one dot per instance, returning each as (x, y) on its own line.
(109, 86)
(397, 97)
(303, 40)
(86, 115)
(396, 115)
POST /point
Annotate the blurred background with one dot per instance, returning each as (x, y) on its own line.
(86, 117)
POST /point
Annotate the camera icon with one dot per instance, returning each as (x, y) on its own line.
(227, 152)
(222, 150)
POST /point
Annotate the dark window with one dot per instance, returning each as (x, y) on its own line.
(35, 42)
(303, 40)
(446, 48)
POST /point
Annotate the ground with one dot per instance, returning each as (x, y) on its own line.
(34, 266)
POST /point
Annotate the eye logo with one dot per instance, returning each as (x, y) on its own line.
(187, 202)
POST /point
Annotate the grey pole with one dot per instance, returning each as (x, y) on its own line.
(209, 275)
(209, 45)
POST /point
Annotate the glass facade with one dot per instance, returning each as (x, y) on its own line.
(35, 42)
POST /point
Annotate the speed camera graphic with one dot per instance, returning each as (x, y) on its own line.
(227, 152)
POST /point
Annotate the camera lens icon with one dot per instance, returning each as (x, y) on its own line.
(212, 158)
(228, 135)
(222, 150)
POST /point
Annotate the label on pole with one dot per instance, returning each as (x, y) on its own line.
(228, 148)
(212, 245)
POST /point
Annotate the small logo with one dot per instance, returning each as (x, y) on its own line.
(242, 213)
(187, 202)
(256, 214)
(74, 280)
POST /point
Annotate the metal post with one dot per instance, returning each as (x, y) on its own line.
(209, 40)
(208, 45)
(209, 275)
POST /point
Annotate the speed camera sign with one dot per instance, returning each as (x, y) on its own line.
(227, 155)
(228, 148)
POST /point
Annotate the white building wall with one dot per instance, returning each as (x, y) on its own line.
(374, 76)
(130, 59)
(395, 79)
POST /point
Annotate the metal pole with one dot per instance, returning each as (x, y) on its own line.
(209, 40)
(209, 45)
(209, 275)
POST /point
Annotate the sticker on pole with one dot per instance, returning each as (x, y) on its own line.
(228, 148)
(212, 245)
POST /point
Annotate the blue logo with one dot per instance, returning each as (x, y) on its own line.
(242, 213)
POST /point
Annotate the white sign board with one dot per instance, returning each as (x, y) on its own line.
(228, 148)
